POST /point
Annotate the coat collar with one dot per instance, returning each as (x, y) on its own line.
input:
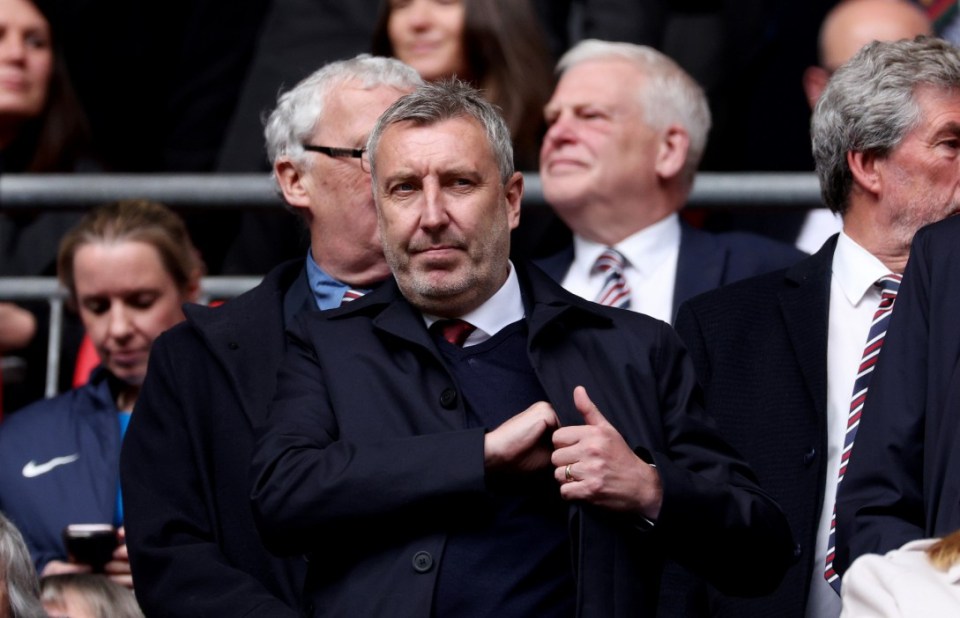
(547, 306)
(246, 334)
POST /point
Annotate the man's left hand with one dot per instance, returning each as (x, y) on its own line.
(595, 464)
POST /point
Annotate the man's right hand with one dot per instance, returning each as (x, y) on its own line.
(522, 443)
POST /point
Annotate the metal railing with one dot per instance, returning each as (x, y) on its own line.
(27, 192)
(253, 191)
(48, 289)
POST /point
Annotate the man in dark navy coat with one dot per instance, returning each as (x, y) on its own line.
(471, 439)
(778, 354)
(904, 481)
(627, 130)
(193, 545)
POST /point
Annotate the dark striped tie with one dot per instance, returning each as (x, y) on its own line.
(889, 285)
(615, 291)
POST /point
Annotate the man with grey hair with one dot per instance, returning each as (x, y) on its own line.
(193, 545)
(627, 128)
(492, 444)
(785, 358)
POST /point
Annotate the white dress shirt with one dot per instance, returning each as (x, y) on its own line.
(651, 268)
(853, 300)
(500, 310)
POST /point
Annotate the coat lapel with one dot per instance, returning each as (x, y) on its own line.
(805, 305)
(700, 265)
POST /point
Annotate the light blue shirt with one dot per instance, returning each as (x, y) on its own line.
(327, 291)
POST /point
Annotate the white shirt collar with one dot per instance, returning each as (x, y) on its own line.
(500, 310)
(644, 250)
(855, 269)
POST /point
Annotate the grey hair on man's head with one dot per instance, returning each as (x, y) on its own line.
(870, 105)
(17, 573)
(300, 109)
(445, 100)
(669, 95)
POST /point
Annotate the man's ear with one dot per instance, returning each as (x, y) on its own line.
(291, 182)
(866, 171)
(514, 195)
(672, 152)
(815, 80)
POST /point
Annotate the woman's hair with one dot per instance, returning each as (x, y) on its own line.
(508, 60)
(17, 574)
(59, 136)
(134, 220)
(103, 597)
(946, 552)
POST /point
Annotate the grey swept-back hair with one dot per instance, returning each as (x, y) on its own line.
(668, 96)
(446, 100)
(300, 109)
(870, 105)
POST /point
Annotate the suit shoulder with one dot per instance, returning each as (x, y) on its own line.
(761, 247)
(940, 237)
(745, 293)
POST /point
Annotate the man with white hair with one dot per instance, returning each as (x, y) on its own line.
(194, 549)
(627, 130)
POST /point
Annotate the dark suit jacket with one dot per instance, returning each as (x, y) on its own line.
(366, 457)
(760, 350)
(193, 545)
(903, 482)
(706, 261)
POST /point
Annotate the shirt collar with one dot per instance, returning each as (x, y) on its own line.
(855, 269)
(500, 310)
(327, 291)
(644, 250)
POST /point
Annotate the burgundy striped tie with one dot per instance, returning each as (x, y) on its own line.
(615, 291)
(889, 285)
(351, 294)
(454, 331)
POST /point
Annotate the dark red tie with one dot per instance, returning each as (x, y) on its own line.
(454, 331)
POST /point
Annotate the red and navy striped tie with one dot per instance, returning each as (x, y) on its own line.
(889, 285)
(351, 294)
(615, 291)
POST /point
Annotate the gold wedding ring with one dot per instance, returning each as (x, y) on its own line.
(567, 474)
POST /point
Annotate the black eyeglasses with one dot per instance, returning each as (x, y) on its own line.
(348, 153)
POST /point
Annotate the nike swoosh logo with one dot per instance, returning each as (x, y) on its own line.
(33, 469)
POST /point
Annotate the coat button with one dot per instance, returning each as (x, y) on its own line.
(422, 562)
(809, 457)
(797, 551)
(448, 398)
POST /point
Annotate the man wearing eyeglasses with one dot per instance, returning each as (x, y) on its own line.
(194, 549)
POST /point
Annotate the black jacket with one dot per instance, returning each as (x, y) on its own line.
(366, 457)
